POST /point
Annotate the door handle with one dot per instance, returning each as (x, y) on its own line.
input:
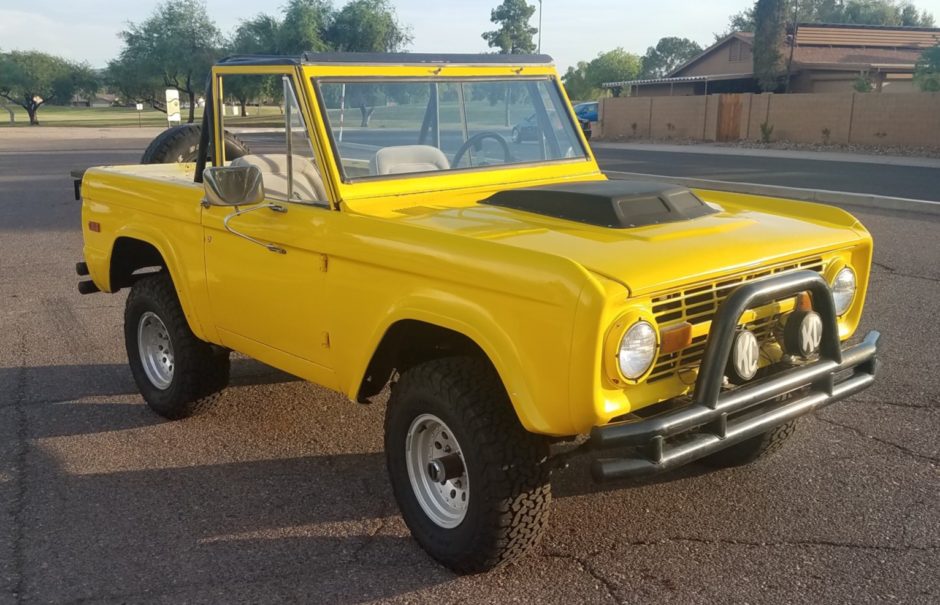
(267, 245)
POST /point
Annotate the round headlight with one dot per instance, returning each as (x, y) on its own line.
(637, 350)
(843, 290)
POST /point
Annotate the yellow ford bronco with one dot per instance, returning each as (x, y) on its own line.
(439, 223)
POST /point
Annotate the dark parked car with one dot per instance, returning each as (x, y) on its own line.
(526, 130)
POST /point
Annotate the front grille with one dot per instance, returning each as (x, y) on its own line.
(698, 304)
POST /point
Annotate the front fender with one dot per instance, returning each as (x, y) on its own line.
(532, 368)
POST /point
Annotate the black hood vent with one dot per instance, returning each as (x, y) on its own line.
(616, 204)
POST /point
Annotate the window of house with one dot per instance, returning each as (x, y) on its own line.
(736, 51)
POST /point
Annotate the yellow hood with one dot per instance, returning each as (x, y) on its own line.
(748, 232)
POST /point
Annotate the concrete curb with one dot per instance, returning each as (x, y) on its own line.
(821, 196)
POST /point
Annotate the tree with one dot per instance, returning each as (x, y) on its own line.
(255, 36)
(32, 79)
(304, 26)
(132, 85)
(575, 81)
(927, 70)
(768, 37)
(585, 80)
(851, 12)
(514, 35)
(668, 54)
(177, 45)
(614, 65)
(86, 82)
(883, 12)
(911, 17)
(367, 26)
(739, 22)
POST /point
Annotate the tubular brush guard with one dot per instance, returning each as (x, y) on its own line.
(716, 419)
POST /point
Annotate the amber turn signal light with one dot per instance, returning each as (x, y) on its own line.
(675, 338)
(804, 302)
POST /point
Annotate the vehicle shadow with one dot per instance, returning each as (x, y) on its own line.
(575, 480)
(121, 503)
(313, 528)
(240, 504)
(72, 382)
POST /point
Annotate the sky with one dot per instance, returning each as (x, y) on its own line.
(572, 30)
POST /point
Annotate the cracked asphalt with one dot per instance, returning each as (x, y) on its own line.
(280, 493)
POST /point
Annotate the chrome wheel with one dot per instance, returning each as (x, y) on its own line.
(437, 471)
(156, 350)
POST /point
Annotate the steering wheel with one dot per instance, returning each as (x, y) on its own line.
(476, 142)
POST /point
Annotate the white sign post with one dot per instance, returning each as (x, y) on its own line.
(173, 106)
(140, 108)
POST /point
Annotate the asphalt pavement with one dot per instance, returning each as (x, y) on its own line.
(280, 493)
(913, 180)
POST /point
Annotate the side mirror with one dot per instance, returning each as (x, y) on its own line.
(586, 127)
(233, 185)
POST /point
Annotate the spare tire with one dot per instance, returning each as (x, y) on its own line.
(181, 144)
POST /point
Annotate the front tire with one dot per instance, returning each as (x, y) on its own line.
(492, 504)
(178, 374)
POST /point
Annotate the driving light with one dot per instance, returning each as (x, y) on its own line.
(802, 334)
(843, 290)
(745, 356)
(637, 350)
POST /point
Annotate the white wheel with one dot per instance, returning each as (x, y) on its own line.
(450, 425)
(156, 350)
(436, 471)
(178, 374)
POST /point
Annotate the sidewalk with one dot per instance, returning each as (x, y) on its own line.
(821, 156)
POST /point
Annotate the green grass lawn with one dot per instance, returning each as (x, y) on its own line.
(479, 114)
(53, 115)
(392, 116)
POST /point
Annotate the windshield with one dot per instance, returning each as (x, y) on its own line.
(414, 126)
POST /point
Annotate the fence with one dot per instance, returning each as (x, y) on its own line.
(836, 118)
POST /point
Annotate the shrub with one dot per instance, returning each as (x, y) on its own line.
(766, 131)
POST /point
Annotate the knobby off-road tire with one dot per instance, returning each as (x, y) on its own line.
(178, 374)
(181, 144)
(752, 449)
(506, 470)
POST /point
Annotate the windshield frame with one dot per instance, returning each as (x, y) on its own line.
(567, 112)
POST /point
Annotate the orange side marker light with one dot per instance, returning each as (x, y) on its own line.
(675, 338)
(804, 302)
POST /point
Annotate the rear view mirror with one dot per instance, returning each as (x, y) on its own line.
(233, 185)
(586, 127)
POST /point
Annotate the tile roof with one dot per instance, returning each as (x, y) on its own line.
(867, 36)
(846, 55)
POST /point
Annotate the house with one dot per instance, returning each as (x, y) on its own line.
(825, 58)
(102, 100)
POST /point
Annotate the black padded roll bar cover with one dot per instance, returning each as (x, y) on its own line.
(205, 138)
